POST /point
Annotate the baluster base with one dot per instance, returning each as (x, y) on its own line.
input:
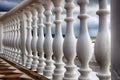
(49, 69)
(59, 71)
(41, 66)
(29, 62)
(34, 64)
(103, 76)
(71, 73)
(85, 74)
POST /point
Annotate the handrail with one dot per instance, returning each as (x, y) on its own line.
(16, 9)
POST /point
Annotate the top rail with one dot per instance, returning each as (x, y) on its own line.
(16, 9)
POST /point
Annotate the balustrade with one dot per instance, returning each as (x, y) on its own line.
(23, 40)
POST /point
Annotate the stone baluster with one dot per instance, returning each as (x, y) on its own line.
(29, 38)
(69, 45)
(20, 30)
(15, 37)
(34, 39)
(12, 41)
(5, 35)
(40, 40)
(4, 38)
(58, 42)
(84, 43)
(18, 39)
(6, 41)
(3, 41)
(102, 44)
(12, 38)
(10, 31)
(23, 34)
(1, 38)
(7, 47)
(7, 31)
(8, 38)
(49, 68)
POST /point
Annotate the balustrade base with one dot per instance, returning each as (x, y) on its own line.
(34, 66)
(103, 76)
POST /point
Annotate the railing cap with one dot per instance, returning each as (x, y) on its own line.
(17, 9)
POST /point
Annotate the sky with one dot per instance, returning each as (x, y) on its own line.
(93, 21)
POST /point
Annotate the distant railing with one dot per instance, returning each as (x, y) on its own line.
(22, 36)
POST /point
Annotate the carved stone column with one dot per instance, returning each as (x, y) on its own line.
(58, 42)
(18, 39)
(40, 41)
(103, 43)
(34, 39)
(29, 38)
(84, 43)
(49, 68)
(1, 38)
(23, 25)
(69, 46)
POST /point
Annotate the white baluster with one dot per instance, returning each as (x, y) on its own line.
(4, 33)
(9, 37)
(8, 40)
(34, 40)
(84, 43)
(23, 36)
(69, 46)
(1, 39)
(58, 42)
(8, 34)
(18, 38)
(48, 71)
(15, 36)
(102, 44)
(6, 47)
(12, 39)
(21, 24)
(5, 36)
(40, 40)
(29, 38)
(19, 41)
